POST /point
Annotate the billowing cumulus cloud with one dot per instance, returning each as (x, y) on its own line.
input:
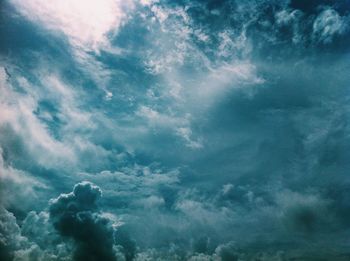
(217, 130)
(75, 215)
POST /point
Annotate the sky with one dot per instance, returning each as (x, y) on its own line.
(202, 130)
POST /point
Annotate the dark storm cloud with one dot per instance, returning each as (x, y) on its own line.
(75, 215)
(4, 253)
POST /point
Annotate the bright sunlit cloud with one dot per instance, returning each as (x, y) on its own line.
(85, 23)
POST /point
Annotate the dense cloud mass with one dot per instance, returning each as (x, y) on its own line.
(74, 215)
(217, 130)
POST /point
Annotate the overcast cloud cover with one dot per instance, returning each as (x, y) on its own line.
(174, 130)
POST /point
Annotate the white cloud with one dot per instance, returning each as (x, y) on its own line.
(18, 186)
(86, 23)
(2, 77)
(151, 202)
(148, 2)
(328, 24)
(221, 80)
(160, 119)
(18, 114)
(186, 134)
(179, 125)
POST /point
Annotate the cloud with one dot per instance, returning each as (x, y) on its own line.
(3, 77)
(138, 186)
(15, 246)
(34, 240)
(18, 189)
(82, 229)
(305, 213)
(328, 25)
(44, 121)
(227, 251)
(10, 237)
(38, 229)
(19, 120)
(75, 215)
(85, 24)
(186, 134)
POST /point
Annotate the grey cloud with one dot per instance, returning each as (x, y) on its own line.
(227, 251)
(75, 215)
(10, 238)
(305, 213)
(37, 228)
(15, 246)
(28, 188)
(127, 246)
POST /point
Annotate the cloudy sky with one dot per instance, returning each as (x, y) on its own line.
(174, 130)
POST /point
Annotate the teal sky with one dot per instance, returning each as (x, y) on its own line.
(174, 130)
